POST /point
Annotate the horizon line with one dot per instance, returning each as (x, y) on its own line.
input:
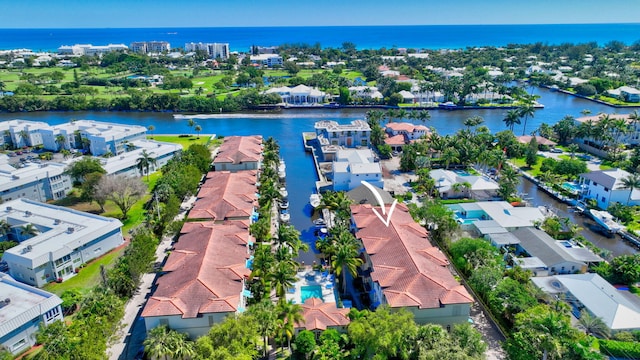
(312, 26)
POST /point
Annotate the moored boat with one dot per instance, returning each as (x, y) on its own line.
(314, 200)
(606, 220)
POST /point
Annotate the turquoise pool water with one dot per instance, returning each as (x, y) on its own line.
(310, 291)
(461, 173)
(571, 186)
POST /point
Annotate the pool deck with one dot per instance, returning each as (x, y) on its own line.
(309, 277)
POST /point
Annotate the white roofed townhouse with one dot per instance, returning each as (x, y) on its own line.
(64, 240)
(451, 185)
(607, 187)
(126, 162)
(352, 166)
(22, 309)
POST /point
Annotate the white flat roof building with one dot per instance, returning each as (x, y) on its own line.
(35, 181)
(101, 137)
(352, 166)
(18, 133)
(22, 309)
(125, 163)
(65, 239)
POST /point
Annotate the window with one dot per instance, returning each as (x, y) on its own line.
(164, 322)
(211, 320)
(19, 344)
(52, 314)
(606, 189)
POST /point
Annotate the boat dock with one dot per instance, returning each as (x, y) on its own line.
(308, 140)
(550, 191)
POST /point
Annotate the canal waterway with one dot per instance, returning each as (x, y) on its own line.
(287, 128)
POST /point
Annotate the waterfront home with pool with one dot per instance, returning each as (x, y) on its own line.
(453, 184)
(484, 218)
(606, 187)
(355, 134)
(403, 270)
(353, 166)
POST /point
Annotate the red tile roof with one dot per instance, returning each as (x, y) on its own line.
(226, 195)
(525, 139)
(205, 272)
(405, 126)
(239, 149)
(395, 140)
(319, 315)
(409, 270)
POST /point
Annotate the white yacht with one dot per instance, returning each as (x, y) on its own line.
(606, 220)
(314, 200)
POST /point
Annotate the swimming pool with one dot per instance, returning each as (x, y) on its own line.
(310, 291)
(573, 187)
(461, 173)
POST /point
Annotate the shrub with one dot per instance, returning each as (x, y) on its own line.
(620, 349)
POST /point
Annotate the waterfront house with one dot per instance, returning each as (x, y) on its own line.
(33, 180)
(365, 92)
(352, 166)
(22, 309)
(459, 184)
(403, 270)
(599, 147)
(226, 196)
(489, 217)
(299, 95)
(355, 134)
(203, 279)
(239, 153)
(65, 240)
(543, 255)
(626, 93)
(408, 130)
(617, 308)
(606, 187)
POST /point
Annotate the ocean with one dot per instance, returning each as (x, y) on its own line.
(364, 37)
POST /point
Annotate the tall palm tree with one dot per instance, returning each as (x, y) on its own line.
(144, 162)
(512, 119)
(24, 135)
(339, 203)
(289, 315)
(525, 111)
(191, 123)
(450, 155)
(161, 342)
(265, 314)
(346, 258)
(593, 325)
(283, 277)
(151, 128)
(198, 128)
(631, 182)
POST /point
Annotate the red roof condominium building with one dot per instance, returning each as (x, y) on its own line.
(239, 153)
(226, 196)
(403, 270)
(203, 280)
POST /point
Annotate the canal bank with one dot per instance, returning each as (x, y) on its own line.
(591, 230)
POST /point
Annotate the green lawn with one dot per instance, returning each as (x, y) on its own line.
(184, 141)
(88, 277)
(534, 170)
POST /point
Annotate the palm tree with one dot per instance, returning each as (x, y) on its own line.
(282, 278)
(593, 325)
(450, 155)
(61, 141)
(5, 227)
(144, 162)
(168, 344)
(29, 230)
(265, 314)
(191, 123)
(198, 128)
(24, 135)
(339, 203)
(151, 128)
(525, 111)
(631, 182)
(289, 315)
(346, 258)
(512, 119)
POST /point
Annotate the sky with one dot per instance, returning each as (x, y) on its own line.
(242, 13)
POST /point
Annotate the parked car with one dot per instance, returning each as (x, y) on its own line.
(556, 151)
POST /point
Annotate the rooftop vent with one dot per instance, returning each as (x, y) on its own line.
(56, 221)
(9, 208)
(27, 249)
(5, 302)
(28, 213)
(70, 230)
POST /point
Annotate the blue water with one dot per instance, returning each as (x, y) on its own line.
(309, 292)
(365, 37)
